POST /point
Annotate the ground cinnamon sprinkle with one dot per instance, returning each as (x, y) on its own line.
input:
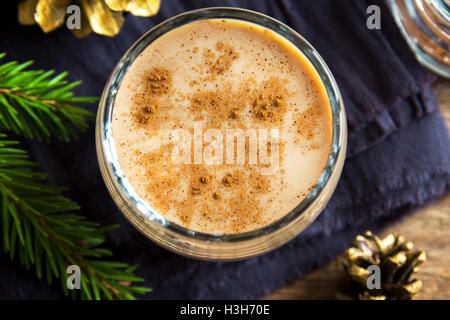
(158, 81)
(267, 102)
(150, 107)
(236, 189)
(146, 108)
(223, 62)
(307, 124)
(271, 104)
(233, 179)
(262, 104)
(228, 195)
(227, 180)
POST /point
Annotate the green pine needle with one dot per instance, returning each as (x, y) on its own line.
(35, 224)
(37, 232)
(39, 104)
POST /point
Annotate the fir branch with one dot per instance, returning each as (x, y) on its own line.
(38, 104)
(37, 232)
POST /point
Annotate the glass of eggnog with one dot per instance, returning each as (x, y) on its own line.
(221, 134)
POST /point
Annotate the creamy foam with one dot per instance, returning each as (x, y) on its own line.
(221, 74)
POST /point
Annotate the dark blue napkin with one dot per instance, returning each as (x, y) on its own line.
(398, 149)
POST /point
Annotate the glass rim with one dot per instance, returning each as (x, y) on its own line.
(106, 106)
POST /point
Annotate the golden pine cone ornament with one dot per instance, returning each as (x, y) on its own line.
(104, 17)
(395, 260)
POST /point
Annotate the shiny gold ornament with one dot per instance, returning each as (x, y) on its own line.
(104, 17)
(396, 260)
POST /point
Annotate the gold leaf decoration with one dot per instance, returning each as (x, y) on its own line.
(85, 27)
(101, 18)
(143, 8)
(104, 17)
(397, 261)
(118, 5)
(50, 14)
(26, 12)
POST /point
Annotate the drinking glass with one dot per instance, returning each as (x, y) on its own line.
(215, 246)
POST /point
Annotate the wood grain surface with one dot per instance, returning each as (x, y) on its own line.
(428, 229)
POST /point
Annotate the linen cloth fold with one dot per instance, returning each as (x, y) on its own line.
(397, 160)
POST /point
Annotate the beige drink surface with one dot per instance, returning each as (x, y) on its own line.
(207, 77)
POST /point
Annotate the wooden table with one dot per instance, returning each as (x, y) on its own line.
(428, 229)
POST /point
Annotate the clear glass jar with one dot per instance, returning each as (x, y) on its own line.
(210, 246)
(425, 25)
